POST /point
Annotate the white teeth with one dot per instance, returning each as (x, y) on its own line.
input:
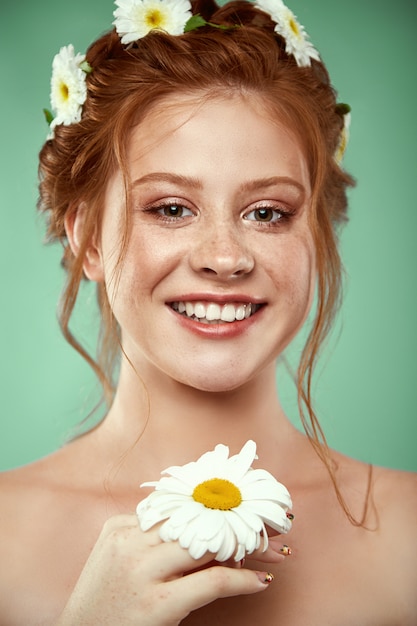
(214, 312)
(240, 312)
(199, 310)
(228, 313)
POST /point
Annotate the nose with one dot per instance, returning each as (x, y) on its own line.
(221, 252)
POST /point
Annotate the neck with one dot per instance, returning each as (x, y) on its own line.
(159, 422)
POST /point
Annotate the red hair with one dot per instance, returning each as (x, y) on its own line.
(127, 81)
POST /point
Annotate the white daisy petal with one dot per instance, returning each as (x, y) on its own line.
(175, 526)
(255, 475)
(68, 87)
(245, 535)
(243, 531)
(173, 484)
(228, 545)
(217, 504)
(239, 464)
(271, 513)
(136, 18)
(270, 6)
(266, 489)
(240, 552)
(197, 548)
(189, 533)
(212, 463)
(188, 511)
(251, 519)
(296, 39)
(212, 523)
(148, 518)
(171, 531)
(165, 500)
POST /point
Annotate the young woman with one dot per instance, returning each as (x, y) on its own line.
(195, 177)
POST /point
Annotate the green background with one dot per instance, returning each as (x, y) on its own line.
(366, 388)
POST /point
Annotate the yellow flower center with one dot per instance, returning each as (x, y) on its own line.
(217, 493)
(64, 91)
(154, 18)
(294, 27)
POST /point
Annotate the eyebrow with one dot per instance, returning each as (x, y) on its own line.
(263, 183)
(195, 183)
(168, 177)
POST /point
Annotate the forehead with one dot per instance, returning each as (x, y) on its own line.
(236, 132)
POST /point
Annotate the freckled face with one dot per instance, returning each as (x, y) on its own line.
(220, 268)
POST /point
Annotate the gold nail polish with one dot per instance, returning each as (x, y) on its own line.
(269, 577)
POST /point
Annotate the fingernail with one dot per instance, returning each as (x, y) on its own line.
(265, 577)
(290, 516)
(279, 548)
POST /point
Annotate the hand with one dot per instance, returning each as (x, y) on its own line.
(133, 578)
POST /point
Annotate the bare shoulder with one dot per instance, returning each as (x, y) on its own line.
(29, 476)
(390, 495)
(22, 492)
(395, 500)
(383, 550)
(25, 500)
(19, 482)
(395, 495)
(32, 493)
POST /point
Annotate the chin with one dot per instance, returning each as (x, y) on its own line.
(216, 383)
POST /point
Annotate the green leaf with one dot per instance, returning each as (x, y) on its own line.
(223, 26)
(86, 67)
(48, 116)
(195, 21)
(342, 108)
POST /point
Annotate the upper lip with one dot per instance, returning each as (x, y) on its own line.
(223, 298)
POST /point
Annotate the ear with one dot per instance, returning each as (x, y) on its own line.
(75, 224)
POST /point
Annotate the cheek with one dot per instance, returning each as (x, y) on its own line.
(304, 280)
(144, 266)
(294, 272)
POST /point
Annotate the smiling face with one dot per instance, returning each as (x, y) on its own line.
(219, 271)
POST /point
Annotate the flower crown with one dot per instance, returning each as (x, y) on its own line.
(134, 19)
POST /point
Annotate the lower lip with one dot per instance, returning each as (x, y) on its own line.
(224, 330)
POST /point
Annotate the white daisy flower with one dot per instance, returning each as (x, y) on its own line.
(68, 86)
(287, 25)
(135, 18)
(217, 504)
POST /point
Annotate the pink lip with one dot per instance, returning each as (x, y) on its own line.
(224, 330)
(225, 298)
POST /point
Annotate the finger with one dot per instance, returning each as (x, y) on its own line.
(195, 590)
(169, 560)
(159, 561)
(276, 552)
(116, 522)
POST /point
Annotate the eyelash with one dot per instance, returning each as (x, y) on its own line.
(157, 211)
(282, 215)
